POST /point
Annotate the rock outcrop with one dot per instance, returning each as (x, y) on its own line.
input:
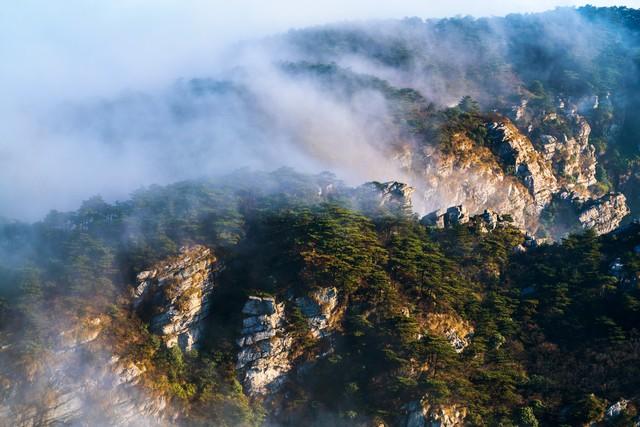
(456, 330)
(469, 174)
(575, 157)
(319, 309)
(517, 155)
(490, 220)
(450, 217)
(424, 414)
(175, 295)
(456, 215)
(603, 215)
(79, 383)
(392, 195)
(562, 138)
(263, 359)
(266, 343)
(616, 409)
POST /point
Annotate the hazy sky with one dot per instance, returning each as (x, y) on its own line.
(78, 47)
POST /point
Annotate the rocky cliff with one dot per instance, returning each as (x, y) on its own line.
(471, 175)
(267, 343)
(319, 309)
(517, 173)
(263, 359)
(573, 156)
(604, 214)
(174, 295)
(81, 381)
(518, 156)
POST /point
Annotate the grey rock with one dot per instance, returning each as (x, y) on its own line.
(393, 195)
(456, 215)
(319, 310)
(603, 215)
(263, 358)
(178, 291)
(518, 155)
(616, 409)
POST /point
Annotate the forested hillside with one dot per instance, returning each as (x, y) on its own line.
(492, 281)
(551, 331)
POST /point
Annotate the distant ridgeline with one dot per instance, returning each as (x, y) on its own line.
(290, 299)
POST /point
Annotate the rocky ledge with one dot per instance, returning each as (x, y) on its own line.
(457, 215)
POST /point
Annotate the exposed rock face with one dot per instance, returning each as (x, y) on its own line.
(263, 360)
(319, 309)
(565, 142)
(575, 158)
(469, 174)
(456, 215)
(490, 220)
(423, 414)
(616, 409)
(79, 384)
(447, 218)
(456, 330)
(434, 219)
(176, 292)
(392, 195)
(603, 215)
(485, 222)
(518, 155)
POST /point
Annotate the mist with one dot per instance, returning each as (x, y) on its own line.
(64, 67)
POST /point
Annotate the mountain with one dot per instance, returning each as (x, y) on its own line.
(491, 280)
